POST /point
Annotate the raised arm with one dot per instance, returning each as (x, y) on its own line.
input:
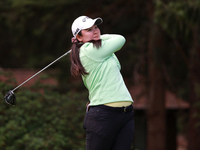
(110, 44)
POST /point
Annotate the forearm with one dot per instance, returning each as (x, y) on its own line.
(110, 36)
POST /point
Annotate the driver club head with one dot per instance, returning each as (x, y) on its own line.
(10, 98)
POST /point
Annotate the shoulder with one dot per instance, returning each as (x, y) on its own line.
(86, 47)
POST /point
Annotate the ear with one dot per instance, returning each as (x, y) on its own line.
(79, 38)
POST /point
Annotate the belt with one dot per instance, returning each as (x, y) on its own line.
(117, 109)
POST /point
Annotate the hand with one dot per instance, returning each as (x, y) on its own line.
(74, 40)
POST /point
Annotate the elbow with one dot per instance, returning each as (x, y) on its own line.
(122, 39)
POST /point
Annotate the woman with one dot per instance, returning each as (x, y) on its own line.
(109, 121)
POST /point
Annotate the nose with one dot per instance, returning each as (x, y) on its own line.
(95, 30)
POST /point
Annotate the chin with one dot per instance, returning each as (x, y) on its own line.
(96, 39)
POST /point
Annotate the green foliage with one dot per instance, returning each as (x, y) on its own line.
(30, 27)
(177, 17)
(43, 121)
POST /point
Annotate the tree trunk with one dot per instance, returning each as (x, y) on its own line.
(194, 118)
(156, 115)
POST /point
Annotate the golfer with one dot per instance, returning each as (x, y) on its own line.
(109, 119)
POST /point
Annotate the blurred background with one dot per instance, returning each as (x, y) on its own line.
(160, 64)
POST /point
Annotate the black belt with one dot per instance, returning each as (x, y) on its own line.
(117, 109)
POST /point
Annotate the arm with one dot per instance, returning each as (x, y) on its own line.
(110, 44)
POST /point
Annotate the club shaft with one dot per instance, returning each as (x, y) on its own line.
(41, 70)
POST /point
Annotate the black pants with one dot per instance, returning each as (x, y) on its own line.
(109, 128)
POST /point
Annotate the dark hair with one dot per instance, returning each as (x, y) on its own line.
(76, 66)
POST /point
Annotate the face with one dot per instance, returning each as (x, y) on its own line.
(92, 33)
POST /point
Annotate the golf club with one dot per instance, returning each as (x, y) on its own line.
(10, 96)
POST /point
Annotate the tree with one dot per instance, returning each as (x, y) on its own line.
(156, 127)
(156, 104)
(194, 118)
(181, 20)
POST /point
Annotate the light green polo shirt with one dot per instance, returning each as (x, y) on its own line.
(104, 81)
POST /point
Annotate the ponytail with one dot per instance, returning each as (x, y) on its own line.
(76, 66)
